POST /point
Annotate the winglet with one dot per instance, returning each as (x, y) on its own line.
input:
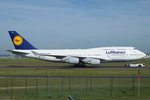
(19, 42)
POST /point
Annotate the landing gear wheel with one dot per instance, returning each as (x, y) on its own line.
(80, 65)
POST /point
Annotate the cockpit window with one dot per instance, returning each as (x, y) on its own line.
(134, 48)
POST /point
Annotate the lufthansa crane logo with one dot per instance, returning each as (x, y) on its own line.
(18, 40)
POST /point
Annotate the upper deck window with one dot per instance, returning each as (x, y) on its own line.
(108, 49)
(121, 49)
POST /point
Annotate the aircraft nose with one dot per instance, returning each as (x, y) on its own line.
(144, 55)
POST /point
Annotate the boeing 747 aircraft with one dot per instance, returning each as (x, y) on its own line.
(79, 57)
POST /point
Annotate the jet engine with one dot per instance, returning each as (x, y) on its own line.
(92, 61)
(71, 60)
(95, 61)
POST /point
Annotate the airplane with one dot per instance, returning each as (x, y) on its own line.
(78, 57)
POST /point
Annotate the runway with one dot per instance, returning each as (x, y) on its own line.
(66, 67)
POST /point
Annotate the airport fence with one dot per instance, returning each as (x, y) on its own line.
(78, 87)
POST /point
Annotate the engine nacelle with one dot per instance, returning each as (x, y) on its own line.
(95, 61)
(71, 60)
(92, 61)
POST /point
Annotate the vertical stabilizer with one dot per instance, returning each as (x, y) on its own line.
(19, 42)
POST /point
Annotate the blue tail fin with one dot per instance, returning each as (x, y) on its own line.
(19, 42)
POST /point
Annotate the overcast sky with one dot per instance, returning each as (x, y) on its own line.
(55, 24)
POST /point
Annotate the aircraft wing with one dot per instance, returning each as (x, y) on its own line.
(59, 56)
(62, 56)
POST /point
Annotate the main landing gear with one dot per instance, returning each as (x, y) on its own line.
(80, 65)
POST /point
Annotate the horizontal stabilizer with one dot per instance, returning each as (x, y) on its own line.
(16, 52)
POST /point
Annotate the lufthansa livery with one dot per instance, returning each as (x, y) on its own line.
(79, 57)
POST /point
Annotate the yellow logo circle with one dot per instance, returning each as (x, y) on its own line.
(18, 40)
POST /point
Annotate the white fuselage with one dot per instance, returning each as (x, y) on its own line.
(90, 56)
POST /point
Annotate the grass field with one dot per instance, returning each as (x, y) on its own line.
(30, 88)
